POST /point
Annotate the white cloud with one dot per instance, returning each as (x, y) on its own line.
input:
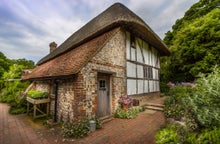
(36, 31)
(160, 15)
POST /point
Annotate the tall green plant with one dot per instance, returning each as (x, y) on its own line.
(12, 93)
(167, 135)
(204, 104)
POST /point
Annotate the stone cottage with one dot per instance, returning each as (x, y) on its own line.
(115, 54)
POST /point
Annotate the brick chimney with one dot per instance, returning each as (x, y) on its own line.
(53, 46)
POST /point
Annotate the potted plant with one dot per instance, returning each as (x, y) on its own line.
(125, 102)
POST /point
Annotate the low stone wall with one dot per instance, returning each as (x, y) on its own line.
(146, 97)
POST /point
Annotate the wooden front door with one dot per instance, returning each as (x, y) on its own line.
(103, 108)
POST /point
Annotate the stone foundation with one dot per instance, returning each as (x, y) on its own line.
(146, 97)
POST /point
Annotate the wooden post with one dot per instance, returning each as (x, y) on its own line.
(35, 106)
(36, 102)
(48, 106)
(27, 108)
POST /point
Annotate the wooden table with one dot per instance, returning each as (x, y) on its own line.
(35, 108)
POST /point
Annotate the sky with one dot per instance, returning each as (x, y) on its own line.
(28, 26)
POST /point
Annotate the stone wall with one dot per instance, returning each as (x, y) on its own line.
(65, 100)
(46, 87)
(42, 86)
(110, 59)
(77, 97)
(143, 98)
(72, 99)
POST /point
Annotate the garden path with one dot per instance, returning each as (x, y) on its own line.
(21, 129)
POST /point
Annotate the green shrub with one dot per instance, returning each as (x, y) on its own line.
(207, 136)
(14, 110)
(178, 93)
(164, 88)
(79, 129)
(191, 123)
(167, 135)
(204, 103)
(13, 95)
(174, 111)
(127, 114)
(19, 109)
(12, 89)
(35, 94)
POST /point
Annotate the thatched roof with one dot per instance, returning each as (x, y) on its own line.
(71, 62)
(79, 48)
(114, 16)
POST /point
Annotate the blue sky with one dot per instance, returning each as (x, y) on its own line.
(28, 26)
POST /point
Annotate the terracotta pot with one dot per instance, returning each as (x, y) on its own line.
(124, 106)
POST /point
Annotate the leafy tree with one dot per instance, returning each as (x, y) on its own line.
(13, 89)
(15, 72)
(194, 43)
(5, 63)
(27, 64)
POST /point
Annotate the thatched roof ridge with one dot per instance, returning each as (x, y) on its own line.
(114, 16)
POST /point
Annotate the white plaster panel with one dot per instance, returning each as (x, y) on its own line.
(140, 71)
(146, 86)
(131, 86)
(131, 69)
(151, 86)
(128, 45)
(140, 87)
(146, 52)
(139, 53)
(133, 54)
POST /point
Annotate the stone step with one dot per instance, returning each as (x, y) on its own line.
(106, 119)
(153, 108)
(154, 104)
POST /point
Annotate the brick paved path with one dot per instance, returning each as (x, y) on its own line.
(140, 130)
(20, 129)
(16, 129)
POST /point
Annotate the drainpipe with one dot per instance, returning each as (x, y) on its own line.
(55, 104)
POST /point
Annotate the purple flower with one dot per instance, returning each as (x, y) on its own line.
(170, 84)
(125, 100)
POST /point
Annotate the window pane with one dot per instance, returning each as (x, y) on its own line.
(102, 83)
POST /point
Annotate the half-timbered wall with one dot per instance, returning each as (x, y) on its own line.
(143, 66)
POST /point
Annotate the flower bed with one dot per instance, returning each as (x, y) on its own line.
(125, 102)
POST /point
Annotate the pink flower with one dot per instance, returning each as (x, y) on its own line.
(125, 100)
